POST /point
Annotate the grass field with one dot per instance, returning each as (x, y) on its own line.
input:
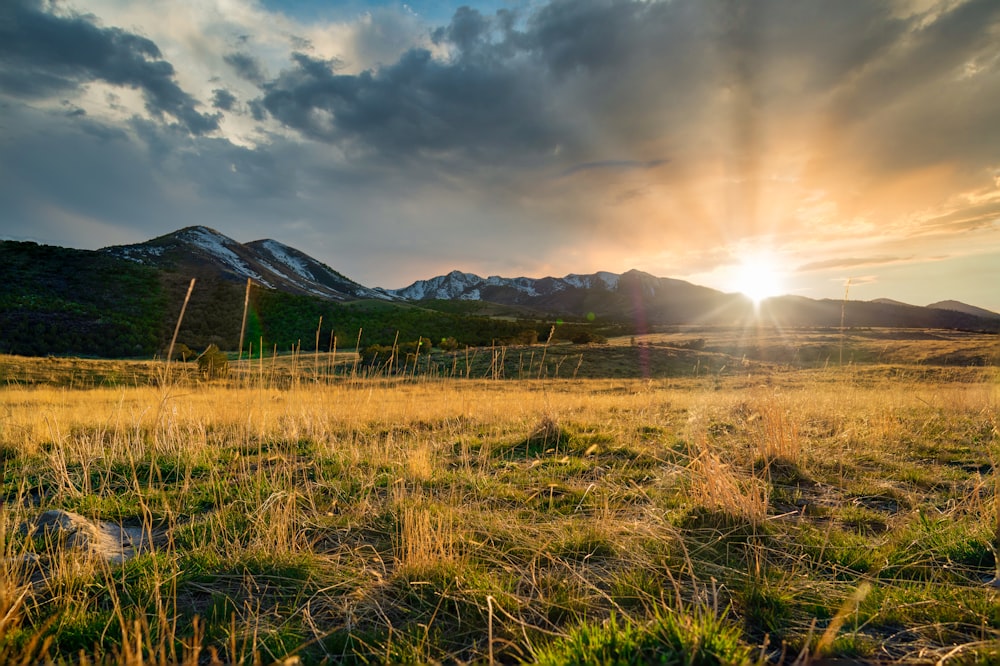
(689, 498)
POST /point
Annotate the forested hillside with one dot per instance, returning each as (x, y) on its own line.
(61, 301)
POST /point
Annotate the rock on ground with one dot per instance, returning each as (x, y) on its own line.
(109, 541)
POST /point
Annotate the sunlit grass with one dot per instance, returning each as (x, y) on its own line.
(345, 518)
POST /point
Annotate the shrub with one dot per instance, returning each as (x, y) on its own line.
(213, 363)
(527, 336)
(183, 353)
(586, 338)
(376, 353)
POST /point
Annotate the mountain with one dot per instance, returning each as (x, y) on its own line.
(958, 306)
(797, 311)
(471, 287)
(62, 301)
(889, 301)
(630, 296)
(643, 300)
(201, 251)
(125, 301)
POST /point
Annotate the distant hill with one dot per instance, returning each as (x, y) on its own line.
(889, 301)
(642, 301)
(795, 311)
(958, 306)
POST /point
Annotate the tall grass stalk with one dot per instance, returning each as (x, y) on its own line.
(319, 327)
(177, 328)
(243, 325)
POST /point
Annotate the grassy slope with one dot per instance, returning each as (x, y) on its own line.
(850, 511)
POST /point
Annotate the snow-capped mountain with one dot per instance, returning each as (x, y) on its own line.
(645, 299)
(200, 250)
(296, 267)
(470, 287)
(603, 294)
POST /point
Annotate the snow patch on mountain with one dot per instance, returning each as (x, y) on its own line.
(280, 252)
(215, 244)
(455, 284)
(610, 279)
(139, 254)
(469, 286)
(267, 262)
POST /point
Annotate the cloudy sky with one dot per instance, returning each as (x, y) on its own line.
(396, 141)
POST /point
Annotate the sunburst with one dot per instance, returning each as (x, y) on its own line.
(758, 276)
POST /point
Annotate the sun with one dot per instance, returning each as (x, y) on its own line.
(758, 277)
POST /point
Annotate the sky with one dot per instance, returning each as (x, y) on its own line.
(805, 142)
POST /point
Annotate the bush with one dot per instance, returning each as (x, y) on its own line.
(376, 353)
(213, 363)
(183, 353)
(586, 338)
(527, 336)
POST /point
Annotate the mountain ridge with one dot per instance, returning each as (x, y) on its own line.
(658, 300)
(267, 262)
(626, 296)
(124, 300)
(958, 306)
(275, 265)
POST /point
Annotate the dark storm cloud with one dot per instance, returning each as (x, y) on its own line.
(246, 66)
(42, 53)
(916, 104)
(223, 100)
(257, 110)
(226, 171)
(416, 106)
(482, 102)
(686, 72)
(83, 168)
(597, 35)
(86, 183)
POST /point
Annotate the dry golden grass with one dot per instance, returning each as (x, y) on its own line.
(460, 520)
